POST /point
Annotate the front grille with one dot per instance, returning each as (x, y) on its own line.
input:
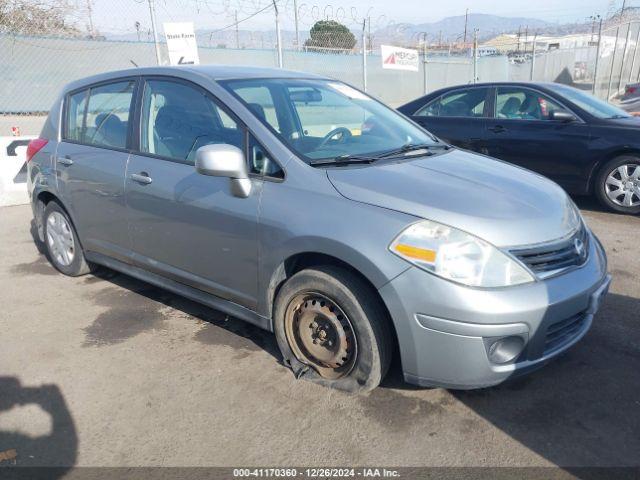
(553, 258)
(561, 333)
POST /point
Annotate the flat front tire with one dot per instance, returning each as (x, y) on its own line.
(61, 242)
(333, 329)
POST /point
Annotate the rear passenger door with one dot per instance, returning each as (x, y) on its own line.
(458, 117)
(91, 161)
(186, 226)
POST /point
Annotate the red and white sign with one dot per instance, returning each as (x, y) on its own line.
(397, 58)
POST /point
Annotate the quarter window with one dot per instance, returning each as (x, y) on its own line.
(178, 119)
(515, 103)
(461, 103)
(260, 162)
(76, 106)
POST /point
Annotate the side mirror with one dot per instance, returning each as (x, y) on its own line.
(562, 116)
(223, 160)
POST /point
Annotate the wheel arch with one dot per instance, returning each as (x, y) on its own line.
(296, 262)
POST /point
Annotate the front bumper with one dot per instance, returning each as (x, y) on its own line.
(443, 328)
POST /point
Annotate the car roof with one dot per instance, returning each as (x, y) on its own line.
(212, 72)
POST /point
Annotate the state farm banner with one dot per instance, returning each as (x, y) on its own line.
(397, 58)
(181, 43)
(13, 170)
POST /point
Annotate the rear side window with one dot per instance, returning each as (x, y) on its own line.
(100, 116)
(461, 103)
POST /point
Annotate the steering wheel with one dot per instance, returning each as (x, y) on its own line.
(345, 134)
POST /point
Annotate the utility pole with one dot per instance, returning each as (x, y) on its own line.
(613, 62)
(635, 54)
(466, 22)
(533, 57)
(152, 12)
(278, 35)
(475, 55)
(90, 15)
(364, 54)
(424, 61)
(295, 17)
(519, 34)
(595, 69)
(237, 31)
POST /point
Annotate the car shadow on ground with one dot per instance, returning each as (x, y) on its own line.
(144, 300)
(57, 449)
(583, 409)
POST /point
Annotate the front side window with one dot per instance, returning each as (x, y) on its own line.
(107, 117)
(514, 103)
(465, 103)
(324, 119)
(178, 119)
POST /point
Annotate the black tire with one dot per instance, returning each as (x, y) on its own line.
(79, 265)
(600, 184)
(366, 314)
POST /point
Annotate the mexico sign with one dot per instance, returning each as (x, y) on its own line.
(397, 58)
(181, 43)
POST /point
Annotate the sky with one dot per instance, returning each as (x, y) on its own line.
(119, 16)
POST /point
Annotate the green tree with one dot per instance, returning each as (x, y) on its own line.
(330, 34)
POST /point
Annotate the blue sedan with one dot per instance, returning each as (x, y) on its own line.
(586, 145)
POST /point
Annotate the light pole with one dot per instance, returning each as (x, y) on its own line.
(278, 35)
(152, 12)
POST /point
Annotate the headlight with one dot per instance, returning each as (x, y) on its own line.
(457, 256)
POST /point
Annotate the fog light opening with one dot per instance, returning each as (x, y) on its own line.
(505, 350)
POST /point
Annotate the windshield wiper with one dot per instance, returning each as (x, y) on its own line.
(412, 147)
(343, 160)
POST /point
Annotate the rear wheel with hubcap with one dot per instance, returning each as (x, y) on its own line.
(618, 185)
(61, 241)
(332, 329)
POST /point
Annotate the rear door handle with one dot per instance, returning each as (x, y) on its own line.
(498, 129)
(65, 161)
(141, 177)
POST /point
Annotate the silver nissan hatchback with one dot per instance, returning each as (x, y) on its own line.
(304, 206)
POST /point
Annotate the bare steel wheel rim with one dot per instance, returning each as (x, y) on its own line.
(321, 335)
(622, 185)
(60, 239)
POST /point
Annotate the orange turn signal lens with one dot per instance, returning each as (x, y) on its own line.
(415, 252)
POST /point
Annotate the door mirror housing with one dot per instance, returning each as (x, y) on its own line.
(223, 160)
(563, 116)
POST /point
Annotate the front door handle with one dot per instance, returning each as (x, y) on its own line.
(142, 177)
(65, 161)
(498, 129)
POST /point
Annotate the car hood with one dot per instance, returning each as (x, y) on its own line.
(498, 202)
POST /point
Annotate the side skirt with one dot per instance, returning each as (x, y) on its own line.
(217, 303)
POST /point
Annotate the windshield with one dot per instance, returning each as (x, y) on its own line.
(326, 119)
(591, 104)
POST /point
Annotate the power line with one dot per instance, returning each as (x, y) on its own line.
(211, 32)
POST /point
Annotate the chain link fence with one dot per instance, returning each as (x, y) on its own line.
(104, 35)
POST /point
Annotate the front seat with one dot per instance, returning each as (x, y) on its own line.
(511, 108)
(258, 111)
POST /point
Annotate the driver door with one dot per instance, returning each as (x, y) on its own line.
(183, 225)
